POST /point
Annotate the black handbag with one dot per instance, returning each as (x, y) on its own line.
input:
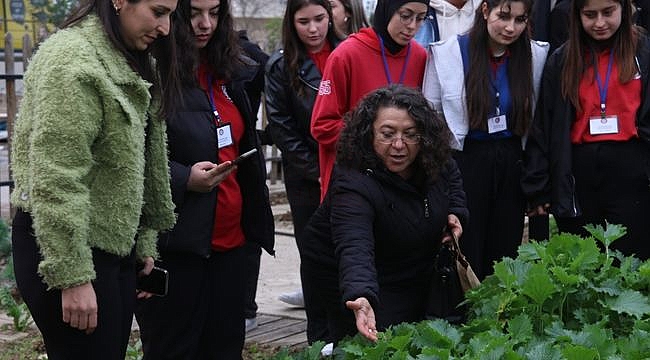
(445, 291)
(452, 276)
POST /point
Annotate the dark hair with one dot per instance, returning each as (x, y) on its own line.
(294, 50)
(623, 44)
(162, 72)
(188, 58)
(357, 18)
(520, 72)
(355, 146)
(222, 52)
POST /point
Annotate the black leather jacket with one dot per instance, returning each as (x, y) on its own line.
(191, 139)
(289, 116)
(548, 175)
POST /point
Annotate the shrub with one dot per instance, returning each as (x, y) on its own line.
(561, 299)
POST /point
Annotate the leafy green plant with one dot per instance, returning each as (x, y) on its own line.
(5, 240)
(134, 351)
(18, 311)
(561, 299)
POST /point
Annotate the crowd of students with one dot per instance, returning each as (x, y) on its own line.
(389, 147)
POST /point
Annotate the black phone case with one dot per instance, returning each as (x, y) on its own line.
(156, 282)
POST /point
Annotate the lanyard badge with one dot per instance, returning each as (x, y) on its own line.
(223, 130)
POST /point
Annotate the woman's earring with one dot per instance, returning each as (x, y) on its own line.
(117, 9)
(345, 19)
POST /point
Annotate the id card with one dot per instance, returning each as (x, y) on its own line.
(497, 123)
(599, 125)
(224, 135)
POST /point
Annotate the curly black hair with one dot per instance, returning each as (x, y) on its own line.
(355, 146)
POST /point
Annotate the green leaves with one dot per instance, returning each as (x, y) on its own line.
(629, 302)
(558, 300)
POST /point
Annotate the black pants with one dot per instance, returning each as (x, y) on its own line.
(202, 316)
(491, 172)
(114, 287)
(253, 254)
(612, 185)
(304, 198)
(321, 291)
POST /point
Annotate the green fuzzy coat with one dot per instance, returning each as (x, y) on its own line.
(85, 165)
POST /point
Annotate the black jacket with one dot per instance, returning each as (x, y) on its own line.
(289, 116)
(547, 175)
(191, 137)
(381, 230)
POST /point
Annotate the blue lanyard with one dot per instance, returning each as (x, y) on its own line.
(213, 104)
(602, 90)
(494, 80)
(386, 70)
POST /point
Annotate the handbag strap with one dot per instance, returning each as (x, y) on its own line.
(456, 248)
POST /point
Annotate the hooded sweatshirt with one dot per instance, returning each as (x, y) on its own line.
(452, 20)
(354, 69)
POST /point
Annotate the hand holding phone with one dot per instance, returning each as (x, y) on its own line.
(156, 282)
(244, 156)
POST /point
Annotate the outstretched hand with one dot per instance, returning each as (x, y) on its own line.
(365, 317)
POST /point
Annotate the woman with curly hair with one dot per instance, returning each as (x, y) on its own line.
(394, 190)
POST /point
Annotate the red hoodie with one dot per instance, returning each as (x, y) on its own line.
(354, 69)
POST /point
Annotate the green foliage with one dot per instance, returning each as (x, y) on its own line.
(561, 299)
(5, 239)
(274, 31)
(59, 10)
(18, 311)
(134, 351)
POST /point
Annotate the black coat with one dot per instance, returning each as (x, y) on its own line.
(191, 138)
(547, 175)
(381, 230)
(289, 116)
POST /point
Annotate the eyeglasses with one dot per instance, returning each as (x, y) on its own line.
(390, 138)
(406, 18)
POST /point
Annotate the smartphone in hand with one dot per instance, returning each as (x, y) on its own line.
(244, 156)
(156, 282)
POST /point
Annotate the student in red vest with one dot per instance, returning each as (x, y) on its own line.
(588, 158)
(374, 57)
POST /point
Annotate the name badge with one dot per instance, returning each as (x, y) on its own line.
(497, 123)
(224, 136)
(599, 125)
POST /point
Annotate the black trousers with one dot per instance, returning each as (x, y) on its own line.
(321, 291)
(304, 199)
(491, 172)
(114, 287)
(612, 185)
(253, 254)
(202, 316)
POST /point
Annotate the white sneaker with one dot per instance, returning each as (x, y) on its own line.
(250, 324)
(294, 298)
(327, 349)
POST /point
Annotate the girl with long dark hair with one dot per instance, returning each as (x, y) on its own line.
(293, 75)
(588, 156)
(220, 206)
(485, 85)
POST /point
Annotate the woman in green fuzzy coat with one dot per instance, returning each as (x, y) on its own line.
(90, 168)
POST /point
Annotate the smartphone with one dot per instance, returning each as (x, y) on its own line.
(156, 282)
(244, 156)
